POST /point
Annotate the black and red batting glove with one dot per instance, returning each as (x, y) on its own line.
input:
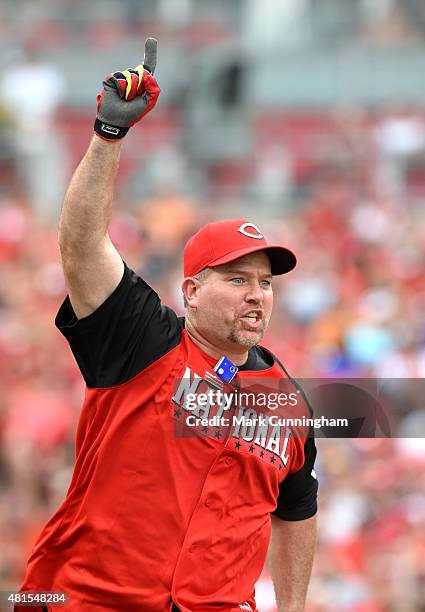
(127, 96)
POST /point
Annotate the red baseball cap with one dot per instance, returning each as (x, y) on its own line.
(223, 241)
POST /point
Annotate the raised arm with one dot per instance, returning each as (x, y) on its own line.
(91, 264)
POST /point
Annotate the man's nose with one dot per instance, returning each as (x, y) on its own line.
(255, 294)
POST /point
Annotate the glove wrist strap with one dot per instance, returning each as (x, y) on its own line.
(109, 131)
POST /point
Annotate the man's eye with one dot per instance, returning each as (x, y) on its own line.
(238, 280)
(266, 283)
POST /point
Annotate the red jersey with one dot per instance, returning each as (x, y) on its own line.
(153, 517)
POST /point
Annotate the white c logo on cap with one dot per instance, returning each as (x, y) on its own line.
(243, 231)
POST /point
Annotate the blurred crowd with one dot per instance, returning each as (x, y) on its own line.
(344, 187)
(383, 22)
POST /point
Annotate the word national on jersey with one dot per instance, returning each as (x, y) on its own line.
(208, 407)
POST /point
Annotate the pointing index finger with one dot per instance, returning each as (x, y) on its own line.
(149, 61)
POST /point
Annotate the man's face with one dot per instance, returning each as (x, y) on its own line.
(234, 302)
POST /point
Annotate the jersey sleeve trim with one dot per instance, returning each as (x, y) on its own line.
(66, 320)
(298, 491)
(306, 507)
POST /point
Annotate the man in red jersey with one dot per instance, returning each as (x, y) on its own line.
(154, 521)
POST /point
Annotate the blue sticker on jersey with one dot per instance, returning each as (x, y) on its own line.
(225, 369)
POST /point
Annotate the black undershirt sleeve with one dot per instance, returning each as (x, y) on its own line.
(297, 498)
(298, 491)
(127, 333)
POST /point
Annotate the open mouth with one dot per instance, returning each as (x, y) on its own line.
(253, 319)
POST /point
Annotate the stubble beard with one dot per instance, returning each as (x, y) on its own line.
(237, 337)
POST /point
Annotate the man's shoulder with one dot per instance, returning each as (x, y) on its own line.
(126, 334)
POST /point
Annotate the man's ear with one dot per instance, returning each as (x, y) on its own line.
(190, 288)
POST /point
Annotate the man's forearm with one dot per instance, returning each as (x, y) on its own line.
(91, 264)
(87, 205)
(290, 559)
